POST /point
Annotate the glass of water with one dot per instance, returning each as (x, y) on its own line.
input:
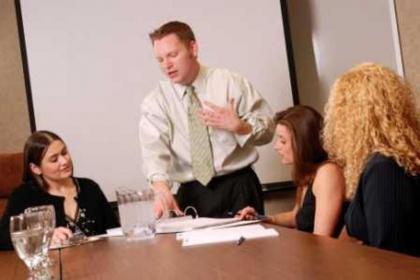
(28, 238)
(136, 213)
(49, 226)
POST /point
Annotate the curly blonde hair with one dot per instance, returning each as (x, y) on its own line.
(371, 109)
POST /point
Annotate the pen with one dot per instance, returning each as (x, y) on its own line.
(261, 217)
(256, 216)
(240, 240)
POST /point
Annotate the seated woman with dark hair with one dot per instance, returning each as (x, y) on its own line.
(320, 182)
(372, 129)
(79, 203)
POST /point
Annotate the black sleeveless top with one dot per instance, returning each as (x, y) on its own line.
(305, 217)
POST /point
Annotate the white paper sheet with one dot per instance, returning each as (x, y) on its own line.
(231, 234)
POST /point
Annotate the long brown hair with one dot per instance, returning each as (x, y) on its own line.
(34, 151)
(304, 124)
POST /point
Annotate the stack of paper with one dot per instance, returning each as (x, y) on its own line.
(231, 234)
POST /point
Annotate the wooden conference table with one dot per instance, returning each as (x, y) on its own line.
(291, 255)
(11, 267)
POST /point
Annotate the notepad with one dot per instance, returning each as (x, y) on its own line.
(70, 242)
(232, 234)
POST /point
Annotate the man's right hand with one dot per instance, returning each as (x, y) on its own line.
(164, 200)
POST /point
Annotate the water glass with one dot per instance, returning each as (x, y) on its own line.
(29, 237)
(49, 226)
(136, 213)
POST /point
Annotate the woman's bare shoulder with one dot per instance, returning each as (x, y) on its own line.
(329, 176)
(328, 168)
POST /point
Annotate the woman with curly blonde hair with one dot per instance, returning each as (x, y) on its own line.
(372, 130)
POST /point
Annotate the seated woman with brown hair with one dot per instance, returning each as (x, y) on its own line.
(320, 182)
(48, 179)
(372, 129)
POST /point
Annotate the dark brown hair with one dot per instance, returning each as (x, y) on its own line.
(34, 151)
(180, 29)
(304, 124)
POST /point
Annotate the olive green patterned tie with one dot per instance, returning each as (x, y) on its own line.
(201, 155)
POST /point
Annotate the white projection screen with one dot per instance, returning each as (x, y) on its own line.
(90, 63)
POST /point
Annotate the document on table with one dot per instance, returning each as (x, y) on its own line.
(231, 234)
(187, 223)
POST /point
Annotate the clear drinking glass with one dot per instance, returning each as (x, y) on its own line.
(49, 226)
(28, 237)
(136, 213)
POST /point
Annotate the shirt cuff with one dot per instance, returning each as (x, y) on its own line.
(252, 121)
(159, 177)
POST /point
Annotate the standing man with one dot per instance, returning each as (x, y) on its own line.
(200, 128)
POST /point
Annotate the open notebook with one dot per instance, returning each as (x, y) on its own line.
(187, 223)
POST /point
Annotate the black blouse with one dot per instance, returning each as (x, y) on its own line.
(385, 210)
(305, 217)
(94, 214)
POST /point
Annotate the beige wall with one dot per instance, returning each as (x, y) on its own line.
(408, 12)
(14, 117)
(330, 36)
(311, 91)
(14, 120)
